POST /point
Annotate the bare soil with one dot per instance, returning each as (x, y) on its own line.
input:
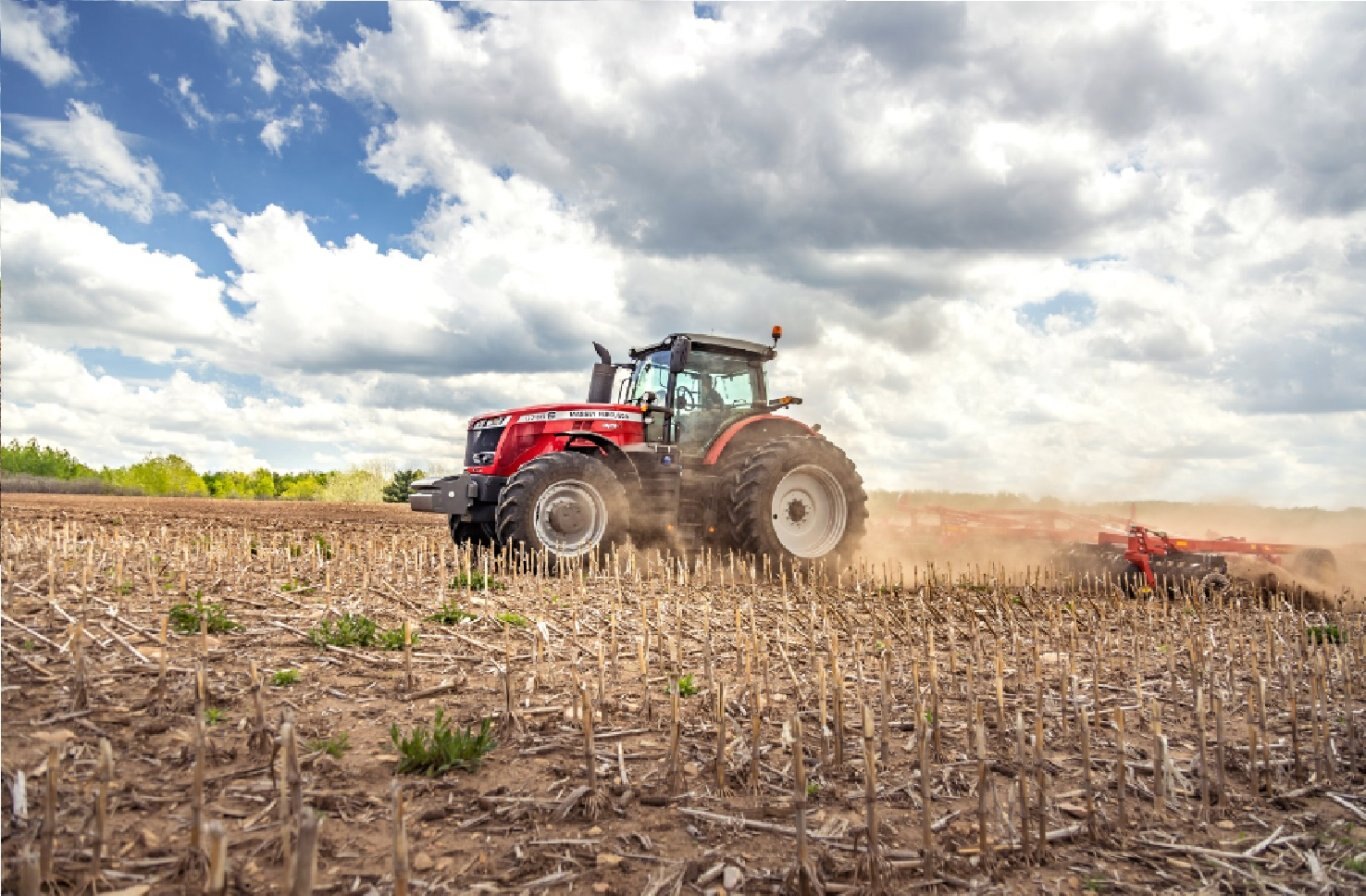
(95, 576)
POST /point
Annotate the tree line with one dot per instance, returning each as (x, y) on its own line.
(171, 474)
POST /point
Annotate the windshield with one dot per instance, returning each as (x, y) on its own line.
(651, 375)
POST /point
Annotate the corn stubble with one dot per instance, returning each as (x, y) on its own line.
(864, 728)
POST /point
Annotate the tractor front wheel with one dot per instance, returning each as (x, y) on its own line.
(564, 504)
(465, 532)
(798, 498)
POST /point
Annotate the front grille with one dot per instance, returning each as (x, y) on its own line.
(480, 446)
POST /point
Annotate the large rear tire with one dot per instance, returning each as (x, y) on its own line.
(798, 498)
(564, 504)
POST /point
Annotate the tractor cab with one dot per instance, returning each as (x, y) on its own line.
(695, 386)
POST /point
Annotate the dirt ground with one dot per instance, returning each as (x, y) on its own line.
(1242, 766)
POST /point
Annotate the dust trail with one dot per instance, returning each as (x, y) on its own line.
(892, 539)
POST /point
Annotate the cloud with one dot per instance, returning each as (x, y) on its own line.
(189, 105)
(469, 301)
(266, 77)
(33, 34)
(282, 23)
(277, 131)
(52, 396)
(111, 294)
(99, 164)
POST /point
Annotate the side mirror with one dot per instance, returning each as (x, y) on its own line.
(678, 354)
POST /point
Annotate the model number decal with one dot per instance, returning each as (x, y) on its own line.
(545, 416)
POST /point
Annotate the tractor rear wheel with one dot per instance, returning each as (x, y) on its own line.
(565, 504)
(798, 498)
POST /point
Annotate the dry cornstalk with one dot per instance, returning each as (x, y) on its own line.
(400, 843)
(720, 768)
(407, 656)
(1040, 775)
(197, 790)
(80, 697)
(1219, 782)
(1084, 727)
(1121, 770)
(984, 846)
(838, 678)
(306, 859)
(104, 773)
(217, 880)
(288, 814)
(48, 843)
(805, 873)
(30, 874)
(755, 730)
(870, 805)
(589, 744)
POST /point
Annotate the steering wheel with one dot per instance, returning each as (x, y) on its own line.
(684, 399)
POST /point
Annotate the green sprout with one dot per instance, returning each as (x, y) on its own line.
(334, 746)
(437, 750)
(185, 618)
(451, 614)
(685, 686)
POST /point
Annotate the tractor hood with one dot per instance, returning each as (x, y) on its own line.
(544, 413)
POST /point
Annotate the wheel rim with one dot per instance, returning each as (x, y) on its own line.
(570, 517)
(810, 513)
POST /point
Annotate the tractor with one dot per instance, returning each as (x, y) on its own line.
(689, 453)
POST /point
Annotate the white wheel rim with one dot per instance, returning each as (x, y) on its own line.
(570, 517)
(810, 513)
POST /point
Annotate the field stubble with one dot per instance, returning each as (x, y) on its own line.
(660, 727)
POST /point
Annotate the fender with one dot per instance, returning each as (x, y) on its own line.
(616, 458)
(719, 446)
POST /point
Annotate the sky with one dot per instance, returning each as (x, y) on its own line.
(1097, 251)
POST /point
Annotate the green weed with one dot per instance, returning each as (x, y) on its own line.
(185, 618)
(451, 614)
(347, 630)
(283, 678)
(437, 750)
(476, 581)
(213, 715)
(334, 746)
(324, 549)
(392, 639)
(685, 686)
(516, 620)
(1325, 634)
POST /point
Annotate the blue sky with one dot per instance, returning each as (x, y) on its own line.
(1108, 251)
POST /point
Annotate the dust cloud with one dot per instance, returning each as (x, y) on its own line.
(908, 531)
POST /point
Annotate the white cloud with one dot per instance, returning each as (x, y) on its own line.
(108, 294)
(193, 102)
(284, 23)
(33, 34)
(100, 165)
(277, 131)
(266, 77)
(107, 421)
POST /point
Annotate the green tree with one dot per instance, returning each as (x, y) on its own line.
(397, 491)
(305, 487)
(169, 475)
(356, 485)
(36, 460)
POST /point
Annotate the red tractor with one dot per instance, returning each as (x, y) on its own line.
(690, 453)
